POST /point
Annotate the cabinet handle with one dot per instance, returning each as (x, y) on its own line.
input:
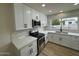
(31, 51)
(52, 37)
(60, 39)
(30, 45)
(25, 25)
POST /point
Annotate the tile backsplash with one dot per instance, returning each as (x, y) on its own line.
(22, 32)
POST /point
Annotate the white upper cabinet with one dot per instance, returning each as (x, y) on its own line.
(23, 18)
(43, 19)
(35, 15)
(18, 10)
(39, 16)
(27, 17)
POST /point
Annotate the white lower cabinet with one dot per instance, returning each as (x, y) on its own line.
(71, 41)
(54, 38)
(49, 36)
(75, 45)
(25, 51)
(75, 42)
(29, 50)
(57, 38)
(64, 40)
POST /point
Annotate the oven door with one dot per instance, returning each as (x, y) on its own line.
(41, 44)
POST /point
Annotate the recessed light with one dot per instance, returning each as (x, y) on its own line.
(75, 3)
(43, 5)
(50, 10)
(60, 11)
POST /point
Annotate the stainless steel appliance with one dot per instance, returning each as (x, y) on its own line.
(40, 40)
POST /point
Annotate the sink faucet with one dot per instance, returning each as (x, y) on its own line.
(61, 26)
(61, 29)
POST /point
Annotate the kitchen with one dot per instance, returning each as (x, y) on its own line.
(29, 32)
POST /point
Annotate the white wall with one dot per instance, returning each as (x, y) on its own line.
(5, 27)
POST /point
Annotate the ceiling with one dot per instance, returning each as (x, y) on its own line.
(55, 7)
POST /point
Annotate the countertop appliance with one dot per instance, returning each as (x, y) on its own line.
(40, 40)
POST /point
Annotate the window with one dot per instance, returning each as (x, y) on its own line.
(70, 23)
(56, 22)
(67, 24)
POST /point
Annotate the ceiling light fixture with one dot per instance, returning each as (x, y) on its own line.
(75, 3)
(50, 10)
(43, 5)
(61, 11)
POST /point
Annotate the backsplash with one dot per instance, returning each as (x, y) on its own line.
(20, 33)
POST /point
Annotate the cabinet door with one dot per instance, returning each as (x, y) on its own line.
(43, 19)
(75, 42)
(54, 38)
(35, 15)
(49, 36)
(25, 51)
(18, 9)
(34, 47)
(57, 39)
(27, 17)
(30, 49)
(66, 41)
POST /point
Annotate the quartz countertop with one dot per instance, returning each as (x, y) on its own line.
(46, 31)
(75, 34)
(22, 41)
(64, 33)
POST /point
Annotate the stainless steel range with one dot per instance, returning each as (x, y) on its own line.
(40, 40)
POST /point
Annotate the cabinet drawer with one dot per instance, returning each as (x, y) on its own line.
(30, 49)
(25, 51)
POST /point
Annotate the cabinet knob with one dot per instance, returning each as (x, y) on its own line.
(60, 39)
(25, 25)
(30, 45)
(31, 51)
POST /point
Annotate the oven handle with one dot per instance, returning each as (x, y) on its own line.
(41, 37)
